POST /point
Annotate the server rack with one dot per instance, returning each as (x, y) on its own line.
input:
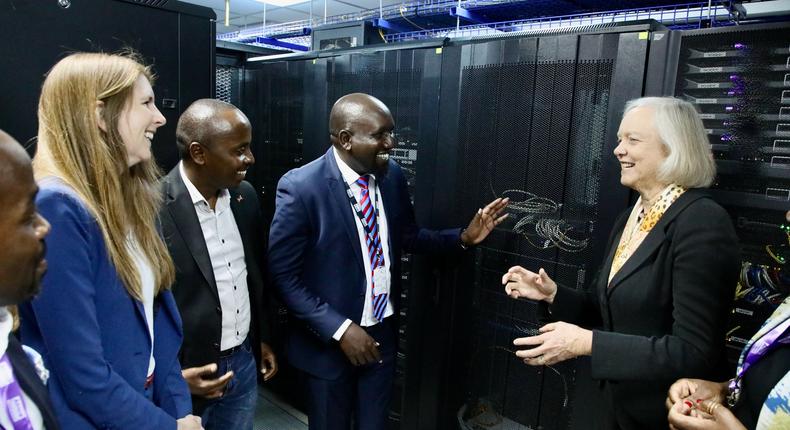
(534, 119)
(289, 101)
(176, 38)
(739, 79)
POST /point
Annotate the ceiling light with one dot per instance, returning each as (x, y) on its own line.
(282, 3)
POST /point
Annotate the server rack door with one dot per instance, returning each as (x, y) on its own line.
(38, 34)
(533, 119)
(405, 80)
(289, 103)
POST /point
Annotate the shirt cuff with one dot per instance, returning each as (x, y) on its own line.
(341, 330)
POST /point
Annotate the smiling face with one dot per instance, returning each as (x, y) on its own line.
(22, 229)
(138, 122)
(640, 152)
(227, 157)
(368, 139)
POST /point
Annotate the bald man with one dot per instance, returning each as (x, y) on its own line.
(335, 243)
(22, 264)
(212, 224)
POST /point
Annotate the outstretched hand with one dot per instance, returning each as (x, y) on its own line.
(484, 221)
(557, 342)
(520, 282)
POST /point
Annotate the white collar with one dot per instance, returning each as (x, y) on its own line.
(193, 191)
(349, 175)
(6, 324)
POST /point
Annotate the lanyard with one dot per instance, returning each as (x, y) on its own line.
(759, 348)
(360, 215)
(11, 396)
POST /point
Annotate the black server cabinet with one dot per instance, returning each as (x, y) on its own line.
(407, 81)
(534, 119)
(739, 79)
(289, 102)
(176, 38)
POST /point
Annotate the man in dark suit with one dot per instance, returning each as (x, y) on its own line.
(22, 264)
(211, 222)
(339, 226)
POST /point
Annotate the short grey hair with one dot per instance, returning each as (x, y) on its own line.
(690, 161)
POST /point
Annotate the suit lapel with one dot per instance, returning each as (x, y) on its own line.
(30, 382)
(652, 241)
(340, 205)
(182, 211)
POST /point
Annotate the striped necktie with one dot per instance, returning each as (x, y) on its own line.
(375, 251)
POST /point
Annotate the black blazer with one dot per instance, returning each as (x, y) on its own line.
(195, 289)
(29, 381)
(663, 317)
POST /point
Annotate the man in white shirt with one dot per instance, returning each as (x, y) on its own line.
(24, 402)
(212, 224)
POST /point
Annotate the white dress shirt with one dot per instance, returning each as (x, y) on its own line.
(350, 176)
(226, 251)
(33, 413)
(147, 281)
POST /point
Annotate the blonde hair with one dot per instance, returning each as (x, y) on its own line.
(125, 200)
(690, 161)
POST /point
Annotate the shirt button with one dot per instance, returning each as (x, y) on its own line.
(234, 287)
(228, 264)
(223, 240)
(237, 311)
(237, 333)
(219, 310)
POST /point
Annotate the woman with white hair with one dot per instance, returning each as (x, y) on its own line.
(660, 302)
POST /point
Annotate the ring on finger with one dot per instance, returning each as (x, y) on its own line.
(712, 407)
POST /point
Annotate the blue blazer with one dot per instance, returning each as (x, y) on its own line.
(315, 257)
(93, 336)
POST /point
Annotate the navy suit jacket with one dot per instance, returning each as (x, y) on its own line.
(315, 257)
(93, 335)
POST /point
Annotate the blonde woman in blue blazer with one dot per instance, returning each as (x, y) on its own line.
(105, 323)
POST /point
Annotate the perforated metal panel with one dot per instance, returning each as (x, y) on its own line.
(400, 90)
(527, 129)
(227, 87)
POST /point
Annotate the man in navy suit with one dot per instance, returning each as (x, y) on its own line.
(339, 226)
(22, 264)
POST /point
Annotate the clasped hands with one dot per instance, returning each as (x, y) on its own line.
(697, 404)
(558, 341)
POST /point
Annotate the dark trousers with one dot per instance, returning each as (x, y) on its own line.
(361, 392)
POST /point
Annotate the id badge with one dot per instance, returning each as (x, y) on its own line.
(381, 280)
